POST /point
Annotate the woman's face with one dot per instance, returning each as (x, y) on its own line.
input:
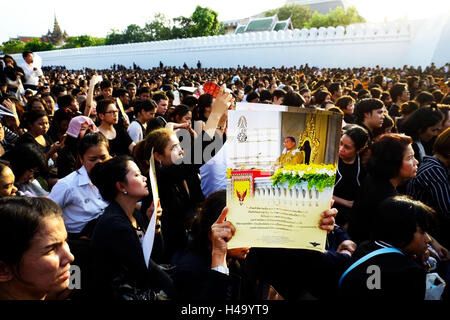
(93, 155)
(347, 150)
(27, 176)
(37, 105)
(431, 132)
(173, 153)
(307, 96)
(408, 168)
(40, 126)
(419, 245)
(350, 108)
(186, 118)
(136, 183)
(7, 187)
(45, 265)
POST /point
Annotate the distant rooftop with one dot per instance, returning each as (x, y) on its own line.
(322, 6)
(264, 24)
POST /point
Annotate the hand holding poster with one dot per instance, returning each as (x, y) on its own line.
(282, 168)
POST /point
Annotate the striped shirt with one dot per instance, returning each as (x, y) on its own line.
(431, 185)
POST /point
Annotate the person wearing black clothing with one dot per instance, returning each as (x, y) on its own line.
(391, 164)
(401, 226)
(118, 259)
(350, 172)
(119, 140)
(177, 173)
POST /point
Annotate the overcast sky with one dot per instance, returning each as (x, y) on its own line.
(97, 18)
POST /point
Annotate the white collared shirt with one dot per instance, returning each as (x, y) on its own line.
(79, 200)
(31, 75)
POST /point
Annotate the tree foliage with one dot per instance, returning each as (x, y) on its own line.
(13, 46)
(299, 14)
(202, 22)
(304, 17)
(338, 17)
(83, 41)
(38, 45)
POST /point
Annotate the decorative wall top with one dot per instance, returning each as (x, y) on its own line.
(393, 31)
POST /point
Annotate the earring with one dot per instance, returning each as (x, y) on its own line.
(160, 164)
(125, 192)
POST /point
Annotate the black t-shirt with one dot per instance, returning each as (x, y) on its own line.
(28, 138)
(372, 192)
(400, 278)
(348, 179)
(119, 145)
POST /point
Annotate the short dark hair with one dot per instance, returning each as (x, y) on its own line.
(408, 107)
(26, 53)
(130, 85)
(366, 105)
(279, 93)
(105, 84)
(422, 119)
(252, 95)
(91, 139)
(265, 95)
(424, 97)
(397, 218)
(106, 174)
(293, 99)
(103, 104)
(146, 105)
(396, 91)
(26, 156)
(358, 134)
(32, 116)
(332, 88)
(159, 96)
(343, 102)
(387, 155)
(19, 222)
(143, 90)
(190, 101)
(178, 111)
(291, 138)
(65, 101)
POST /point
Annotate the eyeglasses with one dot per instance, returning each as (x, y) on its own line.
(112, 111)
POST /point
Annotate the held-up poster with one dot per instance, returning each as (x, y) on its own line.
(281, 168)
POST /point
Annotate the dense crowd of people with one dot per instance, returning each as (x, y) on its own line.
(75, 186)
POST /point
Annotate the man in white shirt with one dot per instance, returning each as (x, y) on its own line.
(32, 72)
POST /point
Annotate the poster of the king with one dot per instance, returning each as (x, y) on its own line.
(281, 165)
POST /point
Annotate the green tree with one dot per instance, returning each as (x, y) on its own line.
(114, 37)
(206, 23)
(134, 33)
(37, 45)
(299, 14)
(83, 41)
(181, 28)
(338, 17)
(158, 28)
(13, 46)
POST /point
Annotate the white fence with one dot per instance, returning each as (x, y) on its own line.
(416, 43)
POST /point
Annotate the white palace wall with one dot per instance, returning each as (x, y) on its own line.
(394, 44)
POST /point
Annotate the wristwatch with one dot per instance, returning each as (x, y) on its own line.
(222, 269)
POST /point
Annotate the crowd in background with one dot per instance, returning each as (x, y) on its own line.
(83, 139)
